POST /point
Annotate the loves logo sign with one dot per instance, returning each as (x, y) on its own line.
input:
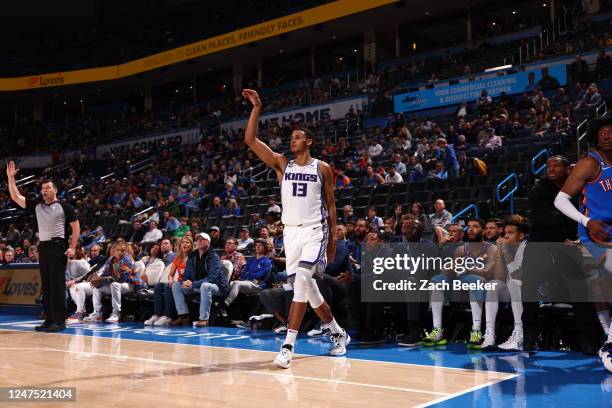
(33, 81)
(19, 286)
(41, 81)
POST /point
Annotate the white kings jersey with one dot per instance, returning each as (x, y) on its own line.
(302, 195)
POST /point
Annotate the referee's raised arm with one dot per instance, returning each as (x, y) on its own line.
(16, 196)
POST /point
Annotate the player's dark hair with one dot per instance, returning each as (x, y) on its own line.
(308, 133)
(478, 220)
(595, 126)
(519, 222)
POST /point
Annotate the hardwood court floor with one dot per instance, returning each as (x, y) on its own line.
(118, 372)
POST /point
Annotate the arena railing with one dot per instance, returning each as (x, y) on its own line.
(535, 159)
(509, 195)
(466, 210)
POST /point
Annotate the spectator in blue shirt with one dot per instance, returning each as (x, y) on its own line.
(451, 164)
(254, 275)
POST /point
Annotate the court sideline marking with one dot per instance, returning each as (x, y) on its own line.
(301, 377)
(512, 375)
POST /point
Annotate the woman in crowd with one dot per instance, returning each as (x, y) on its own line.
(164, 309)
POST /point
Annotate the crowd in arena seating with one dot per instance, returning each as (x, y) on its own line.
(379, 86)
(197, 223)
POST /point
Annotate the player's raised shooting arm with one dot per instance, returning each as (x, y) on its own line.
(273, 160)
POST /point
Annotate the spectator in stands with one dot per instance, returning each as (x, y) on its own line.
(525, 102)
(393, 177)
(233, 208)
(440, 218)
(19, 255)
(118, 277)
(548, 82)
(203, 275)
(375, 148)
(217, 209)
(13, 236)
(560, 97)
(136, 233)
(153, 234)
(9, 256)
(76, 269)
(171, 224)
(167, 253)
(95, 256)
(372, 178)
(451, 164)
(236, 258)
(229, 191)
(579, 70)
(340, 180)
(484, 102)
(591, 99)
(163, 308)
(32, 255)
(531, 85)
(245, 240)
(414, 172)
(560, 123)
(278, 241)
(151, 267)
(273, 207)
(540, 102)
(264, 233)
(603, 65)
(347, 215)
(253, 277)
(216, 242)
(27, 233)
(494, 229)
(182, 229)
(438, 173)
(491, 141)
(462, 111)
(350, 171)
(374, 220)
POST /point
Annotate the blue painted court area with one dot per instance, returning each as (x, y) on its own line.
(554, 379)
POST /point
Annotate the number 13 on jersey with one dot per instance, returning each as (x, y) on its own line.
(299, 189)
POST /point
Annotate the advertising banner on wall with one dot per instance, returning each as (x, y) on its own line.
(314, 113)
(470, 91)
(20, 286)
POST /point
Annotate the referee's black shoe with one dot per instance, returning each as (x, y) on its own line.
(55, 327)
(43, 327)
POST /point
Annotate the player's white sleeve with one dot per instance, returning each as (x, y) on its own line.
(563, 204)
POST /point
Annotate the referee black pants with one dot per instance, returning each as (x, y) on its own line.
(53, 275)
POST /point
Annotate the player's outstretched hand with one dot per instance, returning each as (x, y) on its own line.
(252, 96)
(11, 169)
(598, 230)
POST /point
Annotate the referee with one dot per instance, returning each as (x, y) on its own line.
(52, 216)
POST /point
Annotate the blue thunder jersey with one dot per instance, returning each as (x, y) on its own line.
(597, 201)
(302, 195)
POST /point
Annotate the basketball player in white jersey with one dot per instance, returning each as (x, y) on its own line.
(309, 213)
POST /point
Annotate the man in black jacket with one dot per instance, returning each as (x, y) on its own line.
(548, 261)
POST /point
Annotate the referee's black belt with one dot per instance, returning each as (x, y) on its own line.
(54, 240)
